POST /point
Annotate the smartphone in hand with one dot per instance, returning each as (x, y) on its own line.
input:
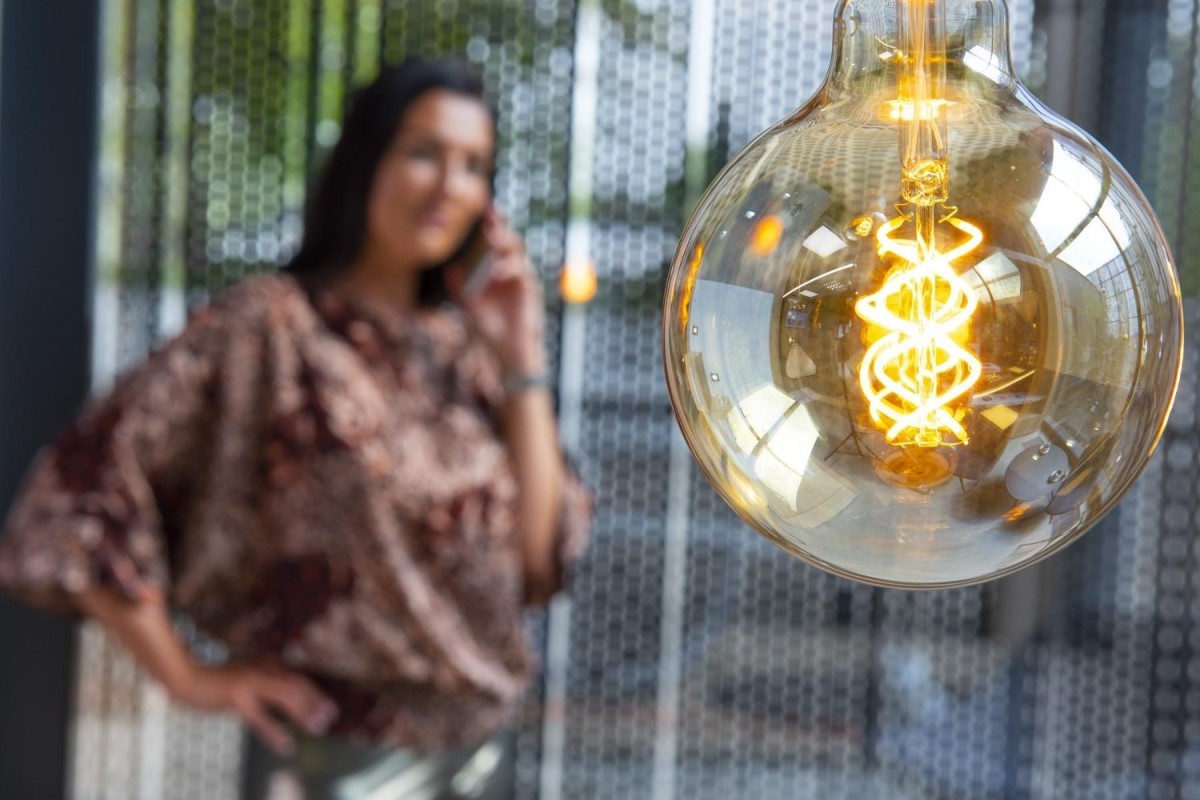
(476, 260)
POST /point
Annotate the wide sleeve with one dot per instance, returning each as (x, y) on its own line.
(481, 377)
(98, 506)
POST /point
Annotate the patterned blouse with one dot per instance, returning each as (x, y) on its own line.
(313, 485)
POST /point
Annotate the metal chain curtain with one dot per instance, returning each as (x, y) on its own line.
(698, 661)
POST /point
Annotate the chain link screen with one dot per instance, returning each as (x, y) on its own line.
(694, 660)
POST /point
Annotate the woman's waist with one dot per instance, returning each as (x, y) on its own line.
(418, 715)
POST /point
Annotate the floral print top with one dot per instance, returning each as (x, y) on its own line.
(314, 485)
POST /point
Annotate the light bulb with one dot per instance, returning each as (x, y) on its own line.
(577, 281)
(922, 332)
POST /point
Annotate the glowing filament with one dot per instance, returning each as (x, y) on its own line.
(915, 375)
(912, 111)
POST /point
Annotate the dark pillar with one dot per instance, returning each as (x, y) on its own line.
(48, 92)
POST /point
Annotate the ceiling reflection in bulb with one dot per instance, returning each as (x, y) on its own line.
(933, 326)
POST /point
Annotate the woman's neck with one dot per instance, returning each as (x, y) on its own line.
(387, 287)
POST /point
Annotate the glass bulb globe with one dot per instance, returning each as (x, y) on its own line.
(922, 332)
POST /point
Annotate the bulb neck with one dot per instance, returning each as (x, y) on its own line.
(921, 52)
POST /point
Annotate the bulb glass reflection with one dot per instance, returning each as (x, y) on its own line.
(922, 332)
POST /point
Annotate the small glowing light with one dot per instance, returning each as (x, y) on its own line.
(1002, 417)
(689, 286)
(578, 281)
(913, 111)
(767, 235)
(824, 242)
(862, 226)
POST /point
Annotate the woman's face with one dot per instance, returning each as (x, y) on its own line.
(434, 181)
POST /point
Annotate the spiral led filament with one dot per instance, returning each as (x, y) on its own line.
(917, 374)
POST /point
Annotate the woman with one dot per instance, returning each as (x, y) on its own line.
(352, 484)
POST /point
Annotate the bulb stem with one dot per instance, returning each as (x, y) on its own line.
(922, 88)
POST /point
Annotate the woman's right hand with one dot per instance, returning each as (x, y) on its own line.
(265, 697)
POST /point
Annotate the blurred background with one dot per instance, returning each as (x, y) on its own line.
(154, 151)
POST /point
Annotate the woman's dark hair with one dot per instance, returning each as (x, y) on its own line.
(335, 216)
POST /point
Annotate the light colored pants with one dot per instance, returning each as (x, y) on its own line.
(328, 768)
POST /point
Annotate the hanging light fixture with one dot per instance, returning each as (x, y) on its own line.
(577, 281)
(923, 332)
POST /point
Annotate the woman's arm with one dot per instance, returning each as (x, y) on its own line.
(86, 531)
(529, 428)
(262, 696)
(507, 314)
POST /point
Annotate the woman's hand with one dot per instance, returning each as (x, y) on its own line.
(264, 697)
(260, 695)
(507, 311)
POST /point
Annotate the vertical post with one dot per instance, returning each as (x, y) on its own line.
(680, 466)
(48, 82)
(1075, 61)
(588, 30)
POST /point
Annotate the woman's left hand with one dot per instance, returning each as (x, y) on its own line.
(507, 311)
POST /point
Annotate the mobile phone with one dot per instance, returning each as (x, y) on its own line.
(476, 259)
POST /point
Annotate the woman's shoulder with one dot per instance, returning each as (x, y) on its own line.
(275, 299)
